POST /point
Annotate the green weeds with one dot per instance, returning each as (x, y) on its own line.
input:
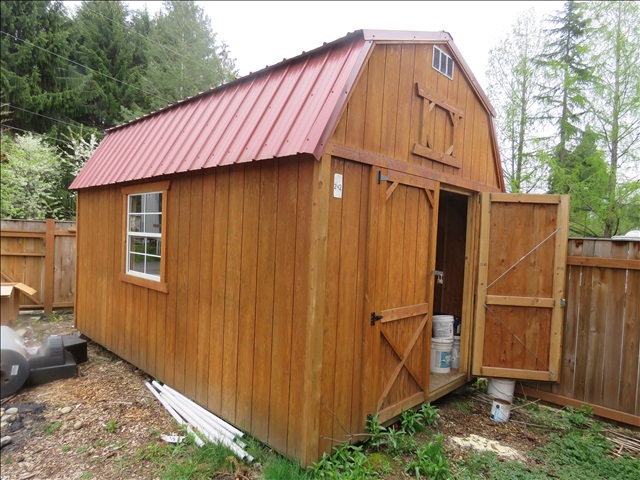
(431, 462)
(111, 426)
(53, 427)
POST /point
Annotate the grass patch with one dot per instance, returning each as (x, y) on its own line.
(577, 450)
(186, 460)
(53, 427)
(278, 467)
(464, 407)
(111, 426)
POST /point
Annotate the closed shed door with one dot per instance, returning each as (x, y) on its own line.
(521, 276)
(399, 290)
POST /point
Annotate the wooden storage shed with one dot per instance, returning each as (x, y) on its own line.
(271, 247)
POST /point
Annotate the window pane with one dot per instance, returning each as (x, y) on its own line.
(137, 245)
(153, 203)
(153, 223)
(153, 246)
(450, 68)
(153, 265)
(135, 223)
(136, 263)
(135, 203)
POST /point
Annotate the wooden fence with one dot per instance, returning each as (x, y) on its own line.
(601, 352)
(42, 255)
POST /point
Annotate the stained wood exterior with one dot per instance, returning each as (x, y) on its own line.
(274, 268)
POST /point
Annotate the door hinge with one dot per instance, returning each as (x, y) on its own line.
(382, 178)
(375, 318)
(563, 302)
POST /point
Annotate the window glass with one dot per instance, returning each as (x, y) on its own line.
(442, 62)
(144, 236)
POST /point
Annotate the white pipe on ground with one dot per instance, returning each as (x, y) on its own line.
(175, 398)
(175, 415)
(205, 412)
(210, 434)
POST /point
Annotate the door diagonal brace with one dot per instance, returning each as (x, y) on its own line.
(398, 369)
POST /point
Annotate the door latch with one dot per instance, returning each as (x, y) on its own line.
(375, 318)
(440, 275)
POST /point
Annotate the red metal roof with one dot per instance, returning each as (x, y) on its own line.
(286, 109)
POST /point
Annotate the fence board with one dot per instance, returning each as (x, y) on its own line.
(41, 254)
(601, 349)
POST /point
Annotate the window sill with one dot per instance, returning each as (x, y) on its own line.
(144, 282)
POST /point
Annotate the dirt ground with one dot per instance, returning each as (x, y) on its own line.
(113, 415)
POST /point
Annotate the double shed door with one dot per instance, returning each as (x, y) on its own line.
(519, 298)
(402, 236)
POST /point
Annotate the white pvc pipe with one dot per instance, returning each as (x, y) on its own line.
(211, 435)
(188, 406)
(205, 412)
(175, 415)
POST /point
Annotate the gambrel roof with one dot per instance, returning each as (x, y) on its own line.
(287, 109)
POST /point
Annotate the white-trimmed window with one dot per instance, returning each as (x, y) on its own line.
(144, 235)
(144, 229)
(442, 62)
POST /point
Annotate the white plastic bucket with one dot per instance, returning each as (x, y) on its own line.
(443, 326)
(455, 352)
(441, 355)
(500, 410)
(501, 389)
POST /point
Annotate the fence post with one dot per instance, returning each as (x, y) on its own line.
(49, 265)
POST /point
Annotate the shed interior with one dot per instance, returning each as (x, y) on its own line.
(451, 259)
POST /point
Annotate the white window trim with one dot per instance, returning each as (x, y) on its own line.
(131, 234)
(449, 59)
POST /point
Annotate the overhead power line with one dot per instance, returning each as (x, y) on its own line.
(78, 125)
(84, 66)
(195, 62)
(34, 133)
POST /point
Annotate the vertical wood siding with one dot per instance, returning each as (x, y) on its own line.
(230, 331)
(384, 113)
(341, 390)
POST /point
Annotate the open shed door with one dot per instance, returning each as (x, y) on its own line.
(521, 276)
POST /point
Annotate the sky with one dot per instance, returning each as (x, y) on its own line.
(264, 32)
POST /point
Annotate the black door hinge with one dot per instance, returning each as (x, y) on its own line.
(382, 178)
(375, 318)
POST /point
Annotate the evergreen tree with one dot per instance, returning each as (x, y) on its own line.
(615, 106)
(566, 76)
(101, 32)
(513, 89)
(584, 177)
(184, 57)
(38, 84)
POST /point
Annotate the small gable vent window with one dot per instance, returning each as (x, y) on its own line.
(442, 62)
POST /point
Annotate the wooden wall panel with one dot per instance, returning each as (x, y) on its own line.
(230, 331)
(341, 410)
(393, 113)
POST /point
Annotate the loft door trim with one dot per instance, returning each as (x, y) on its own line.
(425, 145)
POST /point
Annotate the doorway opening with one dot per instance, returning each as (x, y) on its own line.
(448, 298)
